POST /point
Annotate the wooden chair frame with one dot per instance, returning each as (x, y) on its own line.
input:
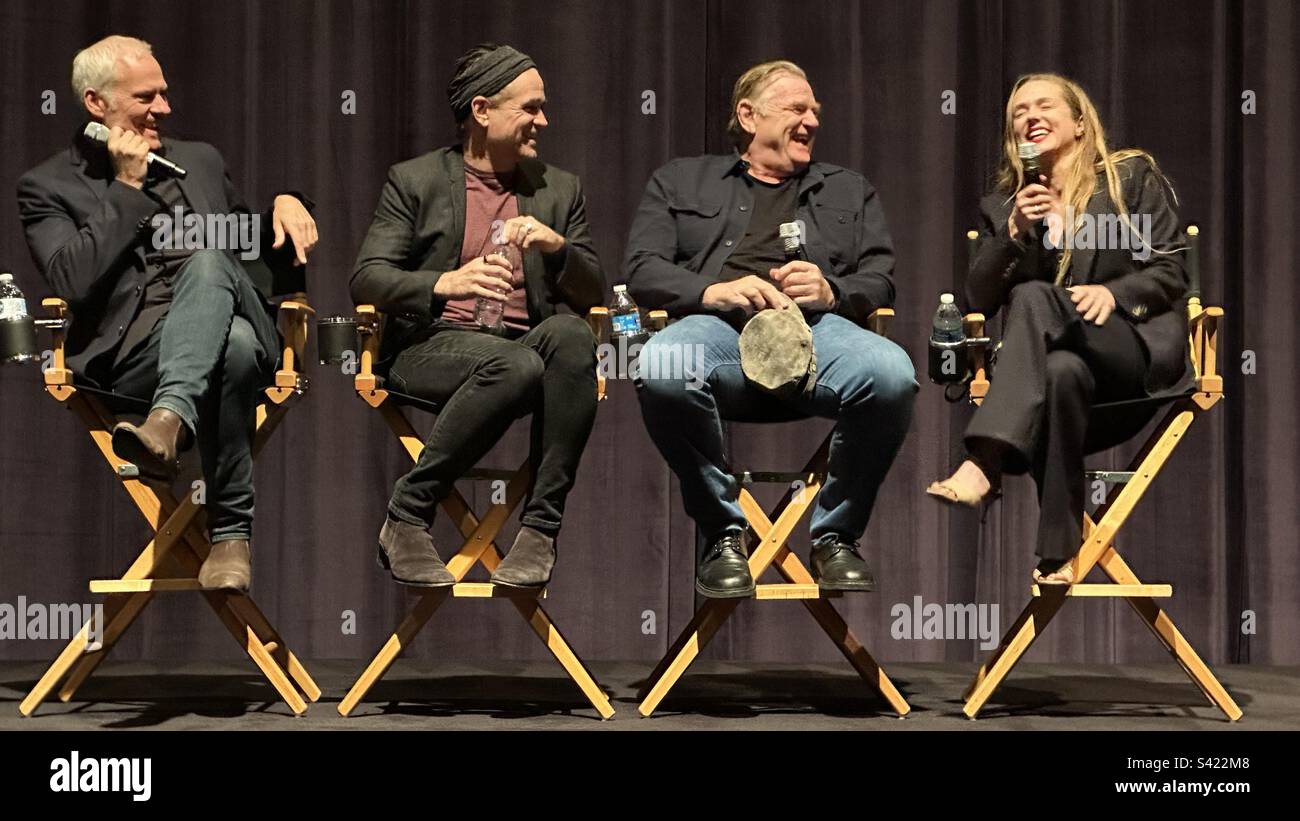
(479, 534)
(1099, 532)
(172, 558)
(773, 529)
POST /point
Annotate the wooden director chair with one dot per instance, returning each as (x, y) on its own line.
(1099, 530)
(172, 558)
(773, 529)
(479, 534)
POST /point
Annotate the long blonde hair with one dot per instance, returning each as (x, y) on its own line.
(1091, 157)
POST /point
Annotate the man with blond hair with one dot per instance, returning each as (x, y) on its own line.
(705, 246)
(163, 314)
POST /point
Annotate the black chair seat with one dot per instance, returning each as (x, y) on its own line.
(409, 401)
(1155, 399)
(116, 402)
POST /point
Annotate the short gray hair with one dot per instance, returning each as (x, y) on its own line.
(95, 66)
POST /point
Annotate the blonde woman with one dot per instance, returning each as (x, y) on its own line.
(1088, 262)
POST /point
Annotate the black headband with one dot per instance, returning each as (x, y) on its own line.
(484, 77)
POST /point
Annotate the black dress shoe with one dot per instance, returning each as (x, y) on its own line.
(724, 571)
(406, 551)
(837, 565)
(529, 562)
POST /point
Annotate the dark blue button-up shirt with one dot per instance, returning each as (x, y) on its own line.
(694, 214)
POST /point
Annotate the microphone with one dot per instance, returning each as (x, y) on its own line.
(1029, 159)
(99, 133)
(791, 240)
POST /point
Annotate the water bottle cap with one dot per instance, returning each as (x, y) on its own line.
(6, 277)
(945, 299)
(619, 288)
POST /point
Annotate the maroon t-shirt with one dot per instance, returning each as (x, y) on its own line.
(489, 202)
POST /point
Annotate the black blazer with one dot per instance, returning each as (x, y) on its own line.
(1150, 293)
(419, 228)
(87, 234)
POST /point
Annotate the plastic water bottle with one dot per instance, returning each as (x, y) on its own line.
(13, 305)
(948, 359)
(489, 313)
(624, 317)
(947, 321)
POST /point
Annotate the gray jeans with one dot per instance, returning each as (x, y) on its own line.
(205, 361)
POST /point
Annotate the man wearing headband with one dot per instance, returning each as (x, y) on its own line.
(440, 244)
(705, 246)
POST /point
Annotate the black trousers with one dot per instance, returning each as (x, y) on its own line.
(1052, 368)
(205, 361)
(485, 382)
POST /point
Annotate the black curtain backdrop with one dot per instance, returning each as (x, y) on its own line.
(264, 82)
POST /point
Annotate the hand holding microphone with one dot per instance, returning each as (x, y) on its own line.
(1035, 200)
(800, 279)
(130, 154)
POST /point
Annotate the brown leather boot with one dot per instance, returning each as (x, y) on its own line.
(152, 447)
(227, 567)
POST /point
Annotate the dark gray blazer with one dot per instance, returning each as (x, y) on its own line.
(87, 234)
(1150, 293)
(419, 228)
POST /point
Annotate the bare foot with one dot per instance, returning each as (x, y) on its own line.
(967, 486)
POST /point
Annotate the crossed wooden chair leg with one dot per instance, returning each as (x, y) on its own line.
(479, 546)
(799, 584)
(1098, 549)
(169, 562)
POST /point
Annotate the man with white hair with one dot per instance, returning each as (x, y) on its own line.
(179, 323)
(705, 247)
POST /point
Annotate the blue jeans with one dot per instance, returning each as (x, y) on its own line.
(864, 381)
(205, 361)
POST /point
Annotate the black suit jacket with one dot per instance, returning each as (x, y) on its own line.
(87, 234)
(419, 228)
(1150, 293)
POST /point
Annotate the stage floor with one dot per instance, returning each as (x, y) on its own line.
(535, 695)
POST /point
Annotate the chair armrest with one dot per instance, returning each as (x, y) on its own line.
(370, 325)
(57, 374)
(973, 324)
(1203, 330)
(598, 321)
(293, 317)
(879, 321)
